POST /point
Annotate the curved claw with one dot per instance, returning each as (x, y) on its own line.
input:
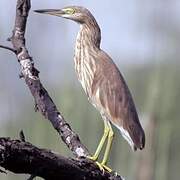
(103, 167)
(93, 158)
(107, 168)
(100, 166)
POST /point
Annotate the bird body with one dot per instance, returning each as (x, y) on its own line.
(104, 84)
(102, 81)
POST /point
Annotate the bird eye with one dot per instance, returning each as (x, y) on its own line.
(69, 11)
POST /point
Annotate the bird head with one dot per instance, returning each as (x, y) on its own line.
(75, 13)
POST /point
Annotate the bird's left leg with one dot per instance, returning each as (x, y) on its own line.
(108, 147)
(105, 135)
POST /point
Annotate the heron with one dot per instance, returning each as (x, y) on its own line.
(102, 82)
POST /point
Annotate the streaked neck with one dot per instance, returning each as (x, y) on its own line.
(89, 35)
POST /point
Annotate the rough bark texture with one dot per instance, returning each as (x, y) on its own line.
(42, 99)
(22, 157)
(19, 156)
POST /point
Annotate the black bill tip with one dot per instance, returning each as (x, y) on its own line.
(40, 11)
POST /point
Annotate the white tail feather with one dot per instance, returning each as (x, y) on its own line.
(126, 136)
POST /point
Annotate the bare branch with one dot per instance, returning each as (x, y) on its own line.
(8, 48)
(22, 136)
(43, 101)
(2, 171)
(23, 157)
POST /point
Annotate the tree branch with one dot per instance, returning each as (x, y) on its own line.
(8, 48)
(22, 157)
(43, 101)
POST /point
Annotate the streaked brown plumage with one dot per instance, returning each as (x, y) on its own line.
(101, 79)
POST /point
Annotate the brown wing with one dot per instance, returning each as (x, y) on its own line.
(112, 97)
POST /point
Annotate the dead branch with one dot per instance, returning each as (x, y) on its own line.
(22, 157)
(43, 101)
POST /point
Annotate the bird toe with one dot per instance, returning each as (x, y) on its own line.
(93, 158)
(103, 167)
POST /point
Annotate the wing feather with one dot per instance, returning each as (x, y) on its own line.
(113, 98)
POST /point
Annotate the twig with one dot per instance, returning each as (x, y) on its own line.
(2, 171)
(8, 48)
(22, 137)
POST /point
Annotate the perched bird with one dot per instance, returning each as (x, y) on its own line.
(102, 82)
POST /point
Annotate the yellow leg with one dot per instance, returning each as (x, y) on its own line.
(105, 135)
(108, 147)
(108, 132)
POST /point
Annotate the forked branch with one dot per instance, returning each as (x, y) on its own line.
(43, 101)
(22, 157)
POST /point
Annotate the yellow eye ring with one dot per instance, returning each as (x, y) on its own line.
(69, 11)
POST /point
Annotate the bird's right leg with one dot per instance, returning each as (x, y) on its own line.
(98, 150)
(108, 147)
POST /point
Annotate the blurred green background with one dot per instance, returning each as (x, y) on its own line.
(143, 39)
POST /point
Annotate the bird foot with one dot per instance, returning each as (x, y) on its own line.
(101, 166)
(93, 158)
